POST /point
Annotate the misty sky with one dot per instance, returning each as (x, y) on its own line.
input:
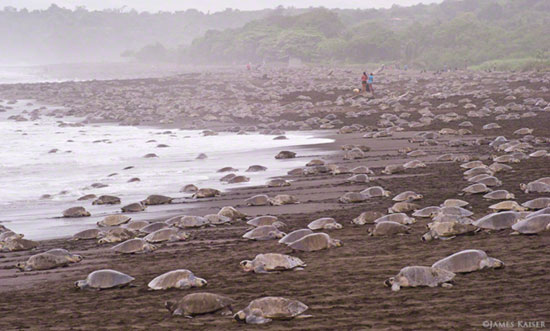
(206, 5)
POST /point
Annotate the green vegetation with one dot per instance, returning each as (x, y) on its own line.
(483, 34)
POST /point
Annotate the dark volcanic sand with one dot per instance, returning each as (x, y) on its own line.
(343, 286)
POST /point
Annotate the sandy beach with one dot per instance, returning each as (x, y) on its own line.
(342, 286)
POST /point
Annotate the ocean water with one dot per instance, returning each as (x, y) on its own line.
(99, 153)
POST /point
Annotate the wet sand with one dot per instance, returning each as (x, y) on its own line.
(343, 287)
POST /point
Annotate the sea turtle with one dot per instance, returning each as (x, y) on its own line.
(155, 226)
(400, 218)
(232, 213)
(266, 309)
(367, 217)
(135, 245)
(413, 164)
(188, 221)
(17, 244)
(375, 191)
(535, 187)
(114, 220)
(490, 181)
(76, 212)
(393, 169)
(326, 223)
(106, 200)
(9, 235)
(507, 205)
(264, 232)
(277, 183)
(427, 212)
(498, 221)
(135, 207)
(468, 260)
(227, 169)
(499, 167)
(416, 276)
(476, 189)
(362, 170)
(200, 303)
(266, 220)
(168, 234)
(447, 230)
(294, 236)
(256, 168)
(87, 197)
(283, 199)
(403, 207)
(88, 234)
(315, 162)
(361, 178)
(456, 211)
(206, 193)
(499, 195)
(215, 219)
(104, 279)
(180, 279)
(258, 200)
(538, 203)
(352, 197)
(314, 242)
(135, 225)
(454, 203)
(478, 171)
(407, 196)
(156, 199)
(388, 228)
(285, 155)
(533, 225)
(263, 263)
(238, 179)
(116, 235)
(473, 164)
(42, 261)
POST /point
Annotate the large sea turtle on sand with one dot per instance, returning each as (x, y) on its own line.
(388, 228)
(533, 225)
(136, 225)
(266, 309)
(352, 197)
(467, 261)
(266, 220)
(264, 232)
(199, 304)
(104, 279)
(106, 200)
(375, 191)
(152, 227)
(326, 223)
(76, 212)
(114, 220)
(407, 196)
(42, 261)
(447, 230)
(181, 279)
(263, 263)
(476, 189)
(17, 244)
(506, 206)
(135, 207)
(232, 213)
(367, 217)
(116, 235)
(136, 245)
(168, 234)
(294, 236)
(315, 242)
(283, 199)
(538, 203)
(400, 218)
(499, 195)
(403, 207)
(206, 193)
(258, 200)
(416, 276)
(157, 199)
(498, 221)
(88, 234)
(188, 221)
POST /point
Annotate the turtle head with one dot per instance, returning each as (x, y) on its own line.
(81, 284)
(523, 187)
(74, 258)
(103, 241)
(277, 235)
(389, 282)
(370, 231)
(199, 282)
(427, 236)
(493, 263)
(171, 305)
(336, 243)
(240, 316)
(150, 248)
(387, 193)
(247, 265)
(419, 196)
(510, 195)
(21, 266)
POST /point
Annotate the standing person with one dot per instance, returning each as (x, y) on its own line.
(370, 81)
(364, 81)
